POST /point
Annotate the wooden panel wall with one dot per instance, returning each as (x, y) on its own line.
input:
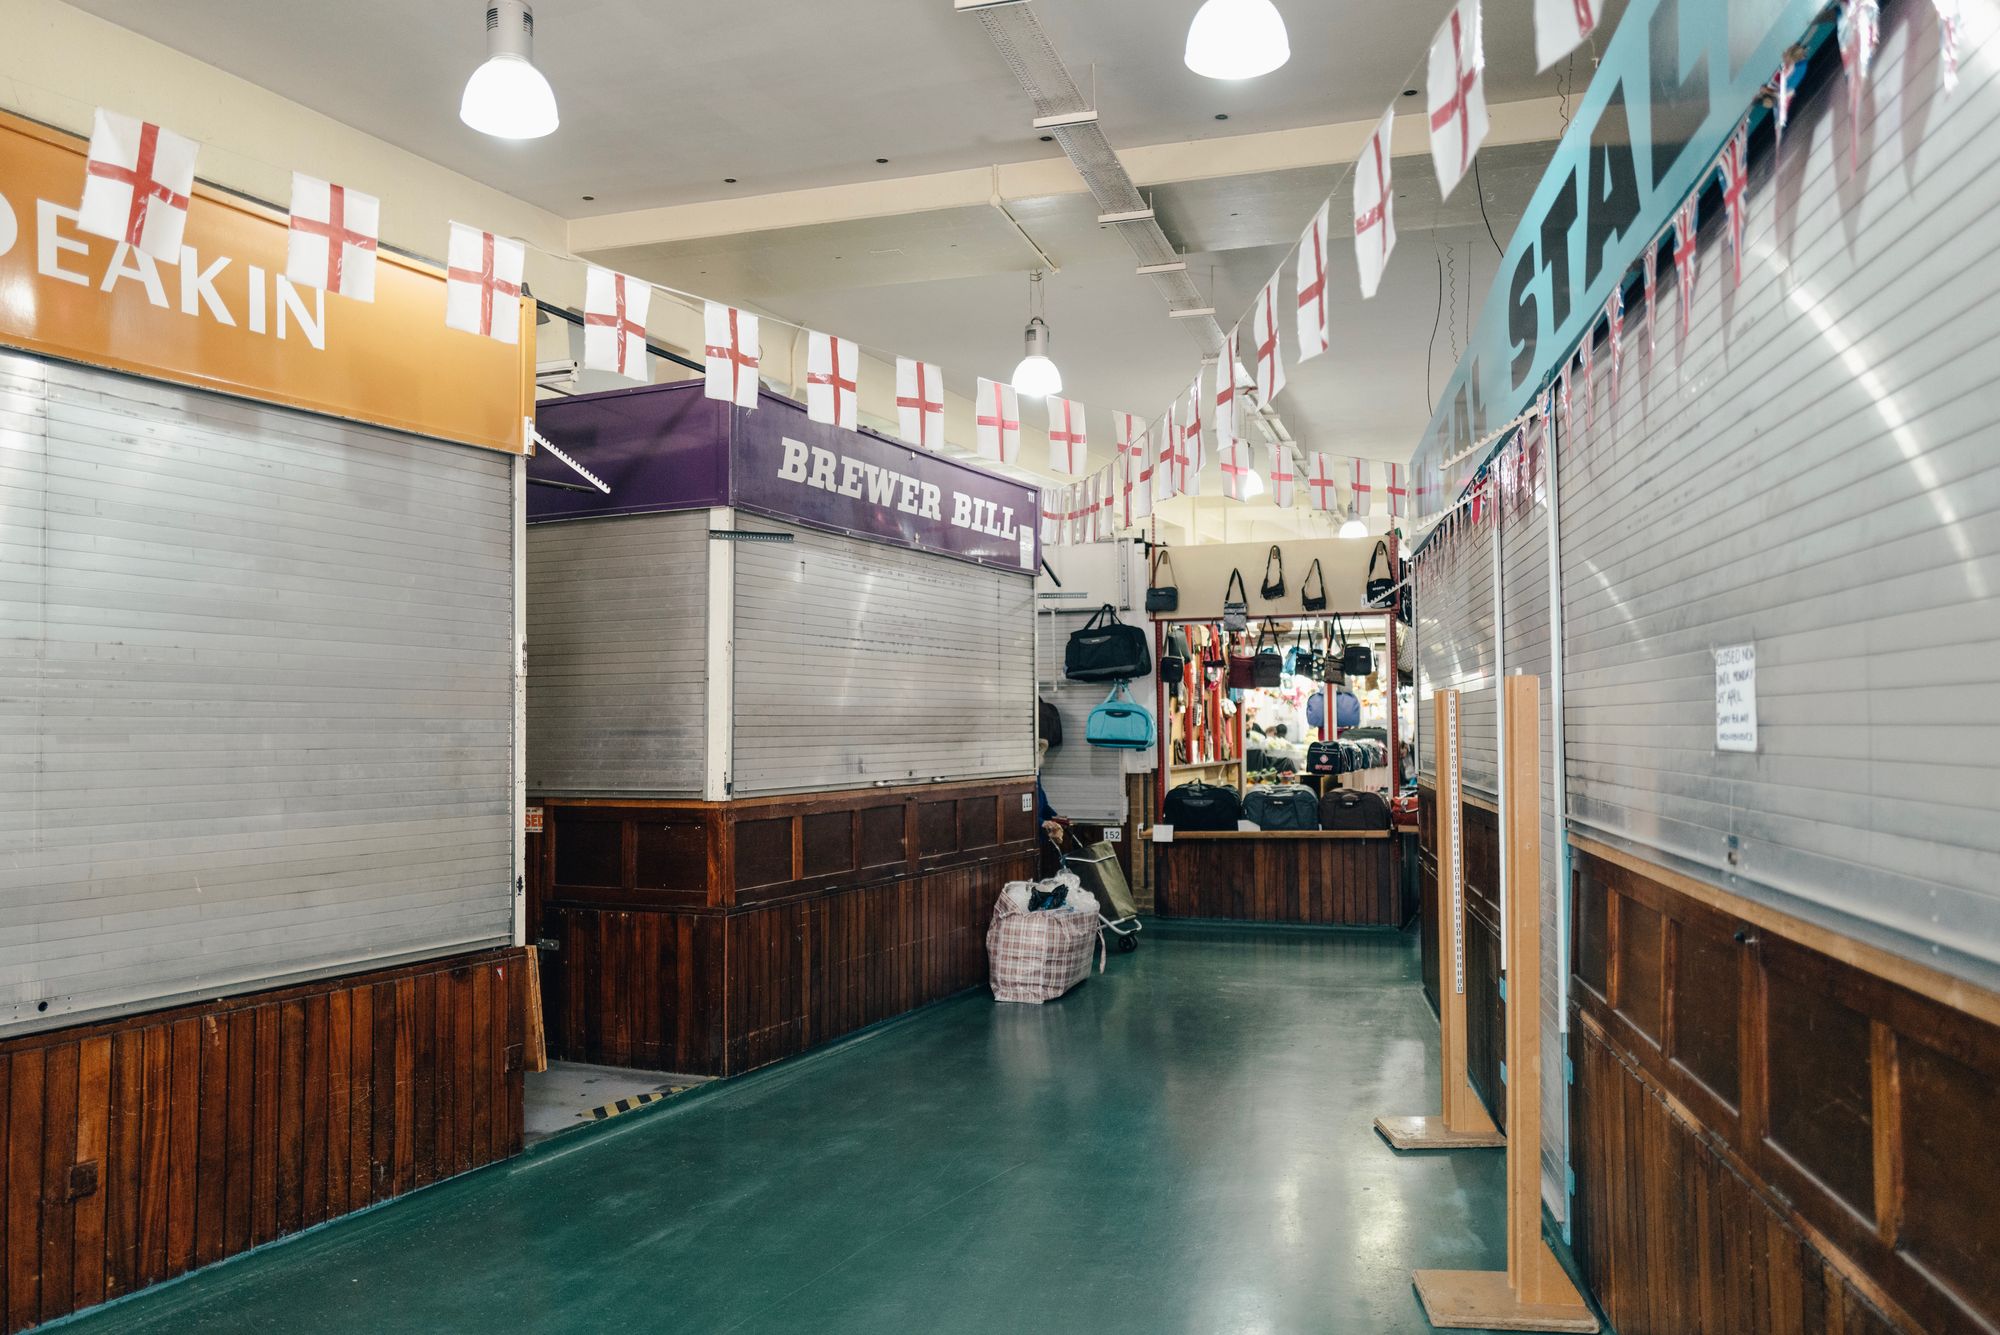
(1320, 879)
(1485, 1008)
(1427, 892)
(141, 1148)
(1772, 1138)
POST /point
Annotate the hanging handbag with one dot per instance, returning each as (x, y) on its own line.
(1299, 658)
(1049, 723)
(1106, 649)
(1120, 723)
(1162, 597)
(1236, 610)
(1356, 660)
(1268, 664)
(1173, 663)
(1331, 665)
(1381, 588)
(1313, 602)
(1273, 591)
(1242, 670)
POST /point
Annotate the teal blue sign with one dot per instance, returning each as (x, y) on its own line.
(1676, 78)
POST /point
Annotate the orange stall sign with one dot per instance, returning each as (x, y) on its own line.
(224, 317)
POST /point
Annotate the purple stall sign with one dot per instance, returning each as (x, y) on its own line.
(658, 447)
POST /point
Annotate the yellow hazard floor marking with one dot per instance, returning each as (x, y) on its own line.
(626, 1105)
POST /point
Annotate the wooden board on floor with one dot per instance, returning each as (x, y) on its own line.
(1432, 1133)
(1483, 1300)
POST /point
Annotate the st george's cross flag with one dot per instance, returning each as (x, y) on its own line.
(1322, 482)
(482, 283)
(833, 380)
(996, 417)
(1237, 468)
(1396, 491)
(1315, 330)
(615, 307)
(1226, 400)
(1561, 27)
(920, 403)
(1068, 448)
(1270, 351)
(1375, 206)
(1457, 95)
(1191, 425)
(1165, 441)
(1360, 490)
(1052, 517)
(1135, 487)
(138, 181)
(1284, 475)
(733, 354)
(1105, 525)
(331, 238)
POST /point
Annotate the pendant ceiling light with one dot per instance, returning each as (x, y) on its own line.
(1352, 528)
(1237, 39)
(507, 97)
(1036, 376)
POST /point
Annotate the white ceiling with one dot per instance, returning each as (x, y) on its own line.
(661, 101)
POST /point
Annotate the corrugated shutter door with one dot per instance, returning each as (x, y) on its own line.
(1455, 651)
(260, 713)
(858, 663)
(1812, 470)
(618, 656)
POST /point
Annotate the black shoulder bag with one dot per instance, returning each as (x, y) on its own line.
(1381, 589)
(1313, 602)
(1268, 664)
(1162, 597)
(1273, 591)
(1356, 660)
(1236, 609)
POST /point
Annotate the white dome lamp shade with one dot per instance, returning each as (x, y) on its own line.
(1352, 528)
(1237, 39)
(1037, 376)
(507, 97)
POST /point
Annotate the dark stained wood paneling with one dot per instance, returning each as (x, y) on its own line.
(937, 828)
(1844, 1183)
(670, 855)
(882, 836)
(1485, 1012)
(978, 822)
(763, 851)
(139, 1148)
(1270, 878)
(591, 851)
(829, 842)
(1636, 991)
(1590, 906)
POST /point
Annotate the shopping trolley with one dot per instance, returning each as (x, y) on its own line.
(1096, 865)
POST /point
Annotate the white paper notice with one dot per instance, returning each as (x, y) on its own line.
(1027, 547)
(1736, 698)
(1163, 834)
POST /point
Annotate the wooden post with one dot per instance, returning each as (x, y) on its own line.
(1533, 1292)
(1463, 1123)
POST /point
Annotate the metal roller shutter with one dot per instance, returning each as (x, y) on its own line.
(1812, 470)
(259, 713)
(1456, 652)
(858, 663)
(618, 655)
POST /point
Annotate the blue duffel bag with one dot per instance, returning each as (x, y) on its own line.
(1120, 722)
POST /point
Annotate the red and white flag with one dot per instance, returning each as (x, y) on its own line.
(482, 287)
(1068, 447)
(1951, 26)
(1375, 206)
(1053, 515)
(1082, 506)
(1586, 356)
(1561, 27)
(1650, 263)
(1270, 354)
(833, 380)
(1130, 430)
(1735, 184)
(1562, 397)
(1322, 482)
(1284, 475)
(1859, 31)
(1398, 494)
(997, 419)
(1106, 523)
(614, 322)
(1225, 390)
(1614, 317)
(1457, 95)
(1189, 460)
(920, 403)
(332, 238)
(1684, 260)
(1783, 88)
(1315, 330)
(733, 354)
(1165, 441)
(1359, 488)
(1137, 484)
(137, 183)
(1234, 456)
(1191, 424)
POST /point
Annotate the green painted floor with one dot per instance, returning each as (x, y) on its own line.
(1184, 1144)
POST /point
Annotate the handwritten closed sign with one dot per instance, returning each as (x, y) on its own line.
(1736, 698)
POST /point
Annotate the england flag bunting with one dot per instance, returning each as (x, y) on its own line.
(1166, 478)
(1137, 486)
(1315, 332)
(331, 238)
(1067, 446)
(1562, 398)
(1129, 429)
(1951, 24)
(1614, 318)
(1359, 488)
(1735, 184)
(1561, 26)
(1859, 29)
(1234, 456)
(1082, 505)
(1685, 239)
(482, 283)
(1191, 456)
(1284, 475)
(1375, 206)
(137, 183)
(920, 403)
(1052, 517)
(1650, 279)
(1457, 95)
(614, 323)
(1396, 492)
(1783, 88)
(1106, 523)
(1586, 354)
(733, 354)
(1270, 354)
(833, 380)
(1322, 482)
(1225, 390)
(997, 419)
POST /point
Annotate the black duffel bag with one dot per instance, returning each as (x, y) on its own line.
(1282, 807)
(1353, 809)
(1323, 758)
(1201, 806)
(1106, 649)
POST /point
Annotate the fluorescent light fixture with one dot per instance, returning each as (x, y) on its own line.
(1171, 266)
(1056, 122)
(507, 97)
(1237, 39)
(1130, 215)
(1189, 312)
(1352, 528)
